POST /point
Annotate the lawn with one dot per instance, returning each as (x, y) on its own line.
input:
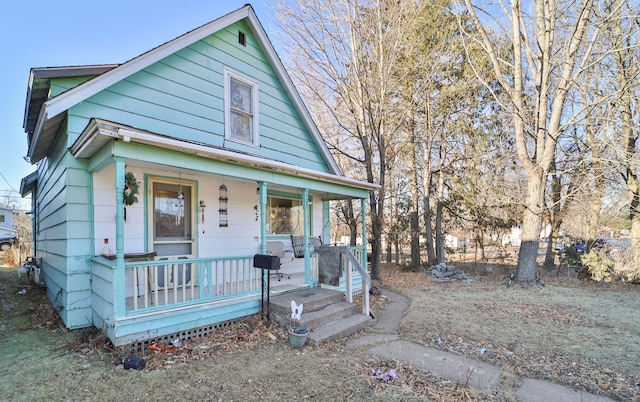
(572, 332)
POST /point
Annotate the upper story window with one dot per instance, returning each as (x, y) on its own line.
(241, 108)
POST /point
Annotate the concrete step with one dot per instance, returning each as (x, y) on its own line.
(332, 312)
(313, 299)
(325, 314)
(340, 328)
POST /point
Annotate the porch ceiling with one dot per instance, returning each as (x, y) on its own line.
(100, 133)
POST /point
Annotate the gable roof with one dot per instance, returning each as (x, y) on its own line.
(52, 111)
(39, 86)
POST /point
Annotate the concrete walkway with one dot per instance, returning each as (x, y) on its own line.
(383, 341)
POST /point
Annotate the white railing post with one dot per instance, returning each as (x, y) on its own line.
(349, 277)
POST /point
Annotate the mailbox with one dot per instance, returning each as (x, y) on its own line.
(265, 261)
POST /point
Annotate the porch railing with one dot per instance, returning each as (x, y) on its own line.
(353, 262)
(161, 283)
(181, 281)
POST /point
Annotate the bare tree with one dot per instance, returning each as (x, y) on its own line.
(624, 40)
(352, 49)
(549, 53)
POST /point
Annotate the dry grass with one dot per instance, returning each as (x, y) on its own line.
(579, 333)
(572, 332)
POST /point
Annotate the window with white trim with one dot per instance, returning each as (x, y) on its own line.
(240, 108)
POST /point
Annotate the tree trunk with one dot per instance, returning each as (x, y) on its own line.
(531, 226)
(550, 256)
(415, 194)
(428, 232)
(480, 254)
(426, 184)
(440, 252)
(376, 244)
(554, 214)
(396, 247)
(415, 241)
(595, 204)
(353, 223)
(627, 73)
(633, 186)
(389, 250)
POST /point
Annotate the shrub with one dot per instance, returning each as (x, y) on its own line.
(10, 257)
(627, 266)
(569, 256)
(607, 267)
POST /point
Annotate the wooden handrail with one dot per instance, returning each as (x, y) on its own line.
(366, 281)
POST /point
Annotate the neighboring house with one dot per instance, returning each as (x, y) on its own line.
(6, 218)
(514, 238)
(455, 240)
(8, 235)
(179, 165)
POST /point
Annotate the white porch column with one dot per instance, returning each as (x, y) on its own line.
(119, 298)
(326, 222)
(363, 210)
(263, 217)
(307, 254)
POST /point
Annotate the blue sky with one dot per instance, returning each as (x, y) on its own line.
(41, 33)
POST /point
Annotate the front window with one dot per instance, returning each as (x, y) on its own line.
(285, 216)
(241, 109)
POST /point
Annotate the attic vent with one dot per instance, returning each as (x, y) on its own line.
(242, 39)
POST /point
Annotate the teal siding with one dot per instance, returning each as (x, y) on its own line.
(60, 85)
(64, 233)
(182, 96)
(102, 301)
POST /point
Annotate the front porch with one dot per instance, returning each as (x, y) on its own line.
(152, 299)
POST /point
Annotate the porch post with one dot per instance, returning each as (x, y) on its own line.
(307, 255)
(363, 213)
(326, 222)
(119, 304)
(263, 217)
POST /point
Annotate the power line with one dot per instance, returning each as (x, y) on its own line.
(8, 184)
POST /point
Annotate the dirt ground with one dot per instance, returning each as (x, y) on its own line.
(577, 333)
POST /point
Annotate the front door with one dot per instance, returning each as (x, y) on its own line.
(172, 220)
(171, 231)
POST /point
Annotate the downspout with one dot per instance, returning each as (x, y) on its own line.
(119, 307)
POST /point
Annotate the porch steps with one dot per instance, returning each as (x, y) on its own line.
(325, 313)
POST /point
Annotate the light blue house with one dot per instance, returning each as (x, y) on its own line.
(159, 179)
